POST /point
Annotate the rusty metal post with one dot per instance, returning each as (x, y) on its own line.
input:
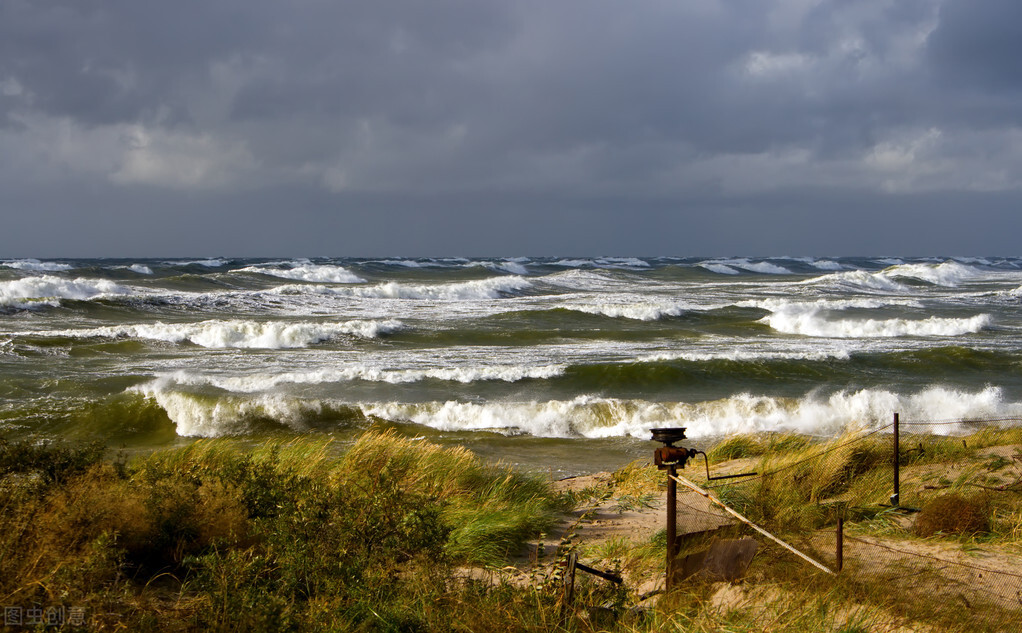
(896, 497)
(840, 542)
(672, 524)
(670, 458)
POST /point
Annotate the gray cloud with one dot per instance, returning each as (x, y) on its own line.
(467, 115)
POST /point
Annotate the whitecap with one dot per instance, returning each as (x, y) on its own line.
(23, 292)
(36, 265)
(810, 320)
(238, 334)
(319, 273)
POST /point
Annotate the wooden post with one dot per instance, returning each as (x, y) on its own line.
(896, 497)
(840, 542)
(672, 524)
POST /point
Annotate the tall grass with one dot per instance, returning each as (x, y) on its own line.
(280, 537)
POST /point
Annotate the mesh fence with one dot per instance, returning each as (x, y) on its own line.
(956, 522)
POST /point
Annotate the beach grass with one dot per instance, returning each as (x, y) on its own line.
(305, 535)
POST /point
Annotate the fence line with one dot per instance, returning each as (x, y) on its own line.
(934, 558)
(807, 459)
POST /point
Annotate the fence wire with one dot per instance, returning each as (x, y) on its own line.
(951, 467)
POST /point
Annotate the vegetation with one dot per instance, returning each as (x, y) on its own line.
(400, 535)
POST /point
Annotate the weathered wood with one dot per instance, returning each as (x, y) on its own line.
(681, 480)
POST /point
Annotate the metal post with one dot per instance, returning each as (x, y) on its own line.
(840, 542)
(896, 497)
(672, 523)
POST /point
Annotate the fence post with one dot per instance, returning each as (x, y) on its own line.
(672, 525)
(840, 542)
(896, 497)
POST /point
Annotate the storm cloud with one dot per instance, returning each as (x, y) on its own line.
(495, 128)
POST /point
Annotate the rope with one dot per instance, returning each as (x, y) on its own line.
(685, 482)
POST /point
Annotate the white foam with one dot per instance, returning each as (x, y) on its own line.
(636, 311)
(140, 269)
(595, 417)
(318, 273)
(507, 266)
(826, 264)
(199, 416)
(857, 280)
(750, 355)
(36, 265)
(238, 334)
(592, 417)
(23, 292)
(602, 262)
(717, 267)
(810, 320)
(259, 382)
(724, 265)
(949, 273)
(208, 263)
(407, 263)
(493, 288)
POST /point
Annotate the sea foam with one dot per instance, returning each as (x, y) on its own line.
(260, 382)
(593, 417)
(811, 321)
(36, 265)
(29, 290)
(481, 289)
(237, 333)
(948, 274)
(318, 273)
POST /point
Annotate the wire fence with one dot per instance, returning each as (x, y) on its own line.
(803, 495)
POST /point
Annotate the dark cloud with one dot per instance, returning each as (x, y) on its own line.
(484, 117)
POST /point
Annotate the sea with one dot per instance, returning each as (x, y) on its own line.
(545, 363)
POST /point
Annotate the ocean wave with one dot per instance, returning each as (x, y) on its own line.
(514, 266)
(825, 264)
(576, 279)
(318, 273)
(717, 267)
(603, 262)
(592, 417)
(36, 265)
(256, 383)
(481, 289)
(858, 280)
(204, 416)
(140, 269)
(815, 355)
(761, 267)
(208, 263)
(237, 334)
(811, 321)
(50, 290)
(634, 311)
(948, 274)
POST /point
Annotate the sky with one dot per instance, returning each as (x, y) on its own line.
(529, 127)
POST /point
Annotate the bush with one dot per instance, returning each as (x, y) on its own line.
(954, 514)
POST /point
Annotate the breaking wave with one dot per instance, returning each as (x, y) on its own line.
(593, 417)
(494, 288)
(36, 265)
(50, 290)
(810, 320)
(635, 311)
(309, 272)
(238, 334)
(256, 383)
(949, 273)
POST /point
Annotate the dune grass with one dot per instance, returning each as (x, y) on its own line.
(306, 535)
